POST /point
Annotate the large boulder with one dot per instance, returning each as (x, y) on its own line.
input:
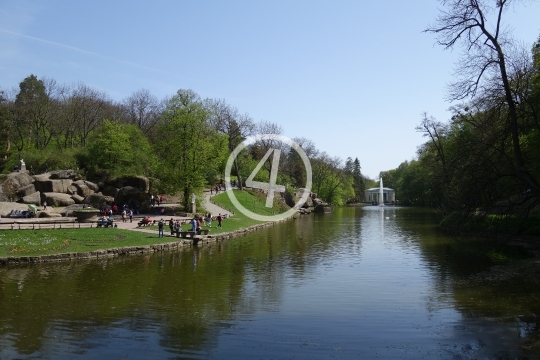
(292, 199)
(82, 189)
(63, 174)
(27, 190)
(48, 214)
(96, 200)
(71, 209)
(10, 184)
(72, 190)
(56, 186)
(57, 199)
(41, 177)
(34, 198)
(140, 182)
(77, 198)
(92, 186)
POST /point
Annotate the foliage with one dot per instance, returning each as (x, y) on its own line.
(117, 149)
(182, 142)
(189, 150)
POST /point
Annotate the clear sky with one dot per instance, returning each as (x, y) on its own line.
(353, 76)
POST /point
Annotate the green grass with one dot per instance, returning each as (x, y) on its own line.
(50, 241)
(56, 241)
(252, 201)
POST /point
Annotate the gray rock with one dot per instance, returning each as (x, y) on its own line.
(70, 210)
(63, 174)
(34, 198)
(92, 186)
(83, 190)
(56, 186)
(140, 182)
(96, 200)
(27, 190)
(48, 214)
(10, 184)
(41, 177)
(57, 199)
(72, 190)
(78, 199)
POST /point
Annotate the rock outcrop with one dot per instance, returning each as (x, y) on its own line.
(57, 199)
(34, 198)
(64, 187)
(140, 182)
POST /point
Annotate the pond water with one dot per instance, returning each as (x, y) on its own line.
(362, 282)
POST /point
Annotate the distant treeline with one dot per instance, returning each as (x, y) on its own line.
(181, 141)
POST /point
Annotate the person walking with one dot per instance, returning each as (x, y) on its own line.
(219, 220)
(161, 224)
(124, 215)
(171, 226)
(45, 205)
(130, 215)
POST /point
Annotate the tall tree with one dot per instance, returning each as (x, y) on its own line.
(188, 145)
(143, 109)
(484, 63)
(227, 120)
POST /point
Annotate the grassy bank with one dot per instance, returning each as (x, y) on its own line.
(253, 201)
(55, 241)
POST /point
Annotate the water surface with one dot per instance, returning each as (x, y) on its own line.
(357, 283)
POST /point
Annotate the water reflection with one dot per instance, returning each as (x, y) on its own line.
(360, 282)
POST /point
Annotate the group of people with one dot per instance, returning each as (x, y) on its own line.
(196, 224)
(126, 213)
(198, 221)
(156, 200)
(217, 189)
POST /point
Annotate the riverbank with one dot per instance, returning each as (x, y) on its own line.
(45, 245)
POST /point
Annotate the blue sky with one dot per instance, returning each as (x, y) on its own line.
(353, 76)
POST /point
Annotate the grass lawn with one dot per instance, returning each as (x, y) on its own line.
(252, 201)
(56, 241)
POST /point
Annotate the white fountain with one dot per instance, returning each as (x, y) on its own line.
(381, 194)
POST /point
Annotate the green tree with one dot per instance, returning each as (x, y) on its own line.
(118, 149)
(188, 146)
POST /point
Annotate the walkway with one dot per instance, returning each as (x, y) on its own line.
(209, 206)
(212, 208)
